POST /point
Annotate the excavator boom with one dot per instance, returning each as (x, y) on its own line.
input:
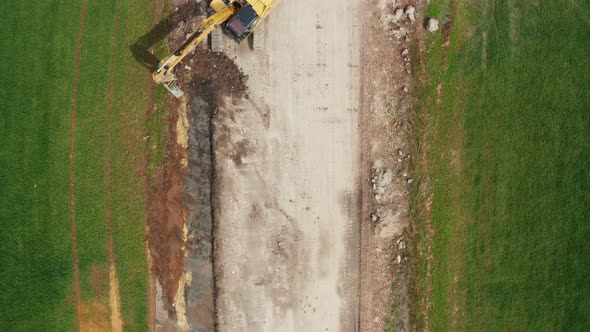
(164, 73)
(241, 17)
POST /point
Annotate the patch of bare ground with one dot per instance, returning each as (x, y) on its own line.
(211, 77)
(166, 221)
(94, 316)
(386, 178)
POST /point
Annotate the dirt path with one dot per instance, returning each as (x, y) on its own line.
(114, 296)
(287, 160)
(73, 163)
(387, 125)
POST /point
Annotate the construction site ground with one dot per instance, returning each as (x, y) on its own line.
(293, 161)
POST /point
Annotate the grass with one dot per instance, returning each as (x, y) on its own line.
(508, 159)
(38, 51)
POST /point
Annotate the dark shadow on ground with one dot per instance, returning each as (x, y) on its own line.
(141, 48)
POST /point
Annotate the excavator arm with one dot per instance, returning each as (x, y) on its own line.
(164, 74)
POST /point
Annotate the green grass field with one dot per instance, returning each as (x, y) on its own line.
(38, 50)
(508, 161)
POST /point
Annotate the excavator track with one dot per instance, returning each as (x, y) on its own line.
(258, 37)
(216, 40)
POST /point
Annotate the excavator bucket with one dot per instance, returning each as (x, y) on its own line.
(174, 89)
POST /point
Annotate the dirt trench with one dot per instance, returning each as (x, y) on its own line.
(180, 221)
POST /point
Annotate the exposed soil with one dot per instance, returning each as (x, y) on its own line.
(94, 316)
(166, 224)
(213, 76)
(179, 227)
(386, 180)
(72, 165)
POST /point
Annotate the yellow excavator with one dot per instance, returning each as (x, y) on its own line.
(239, 17)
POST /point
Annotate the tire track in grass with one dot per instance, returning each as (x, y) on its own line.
(73, 163)
(114, 295)
(157, 15)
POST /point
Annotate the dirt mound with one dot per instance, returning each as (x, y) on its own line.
(166, 227)
(203, 68)
(222, 77)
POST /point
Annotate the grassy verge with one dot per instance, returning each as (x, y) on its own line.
(508, 157)
(38, 51)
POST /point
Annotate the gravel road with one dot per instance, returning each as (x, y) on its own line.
(286, 160)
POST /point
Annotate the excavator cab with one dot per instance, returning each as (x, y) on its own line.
(242, 23)
(240, 17)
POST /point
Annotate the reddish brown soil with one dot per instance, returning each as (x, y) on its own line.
(72, 165)
(166, 222)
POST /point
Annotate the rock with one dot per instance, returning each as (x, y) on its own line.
(399, 33)
(432, 25)
(405, 89)
(187, 68)
(405, 51)
(410, 13)
(388, 19)
(397, 15)
(258, 280)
